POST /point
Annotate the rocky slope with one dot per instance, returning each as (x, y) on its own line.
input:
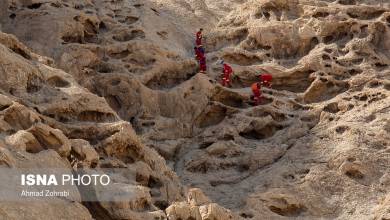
(122, 84)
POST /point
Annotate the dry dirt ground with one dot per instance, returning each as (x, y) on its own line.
(114, 83)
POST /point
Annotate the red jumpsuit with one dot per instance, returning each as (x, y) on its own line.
(198, 53)
(198, 38)
(202, 64)
(266, 80)
(226, 75)
(256, 89)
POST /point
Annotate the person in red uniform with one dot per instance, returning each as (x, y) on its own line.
(200, 57)
(202, 64)
(256, 90)
(226, 74)
(199, 37)
(201, 49)
(266, 80)
(198, 53)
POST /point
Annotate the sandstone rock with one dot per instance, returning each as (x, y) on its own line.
(310, 151)
(24, 141)
(20, 117)
(84, 151)
(183, 210)
(382, 211)
(143, 173)
(214, 211)
(5, 102)
(52, 112)
(198, 206)
(51, 138)
(385, 180)
(6, 157)
(196, 197)
(36, 208)
(60, 209)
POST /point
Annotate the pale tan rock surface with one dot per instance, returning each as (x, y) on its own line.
(198, 207)
(48, 121)
(318, 147)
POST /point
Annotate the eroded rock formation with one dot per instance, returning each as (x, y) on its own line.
(121, 89)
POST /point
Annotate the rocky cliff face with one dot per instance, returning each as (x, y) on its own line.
(121, 89)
